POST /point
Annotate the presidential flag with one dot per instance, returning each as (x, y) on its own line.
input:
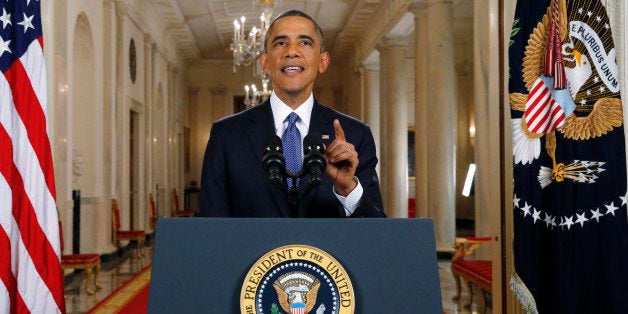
(570, 195)
(31, 279)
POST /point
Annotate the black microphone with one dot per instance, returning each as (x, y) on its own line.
(273, 161)
(314, 158)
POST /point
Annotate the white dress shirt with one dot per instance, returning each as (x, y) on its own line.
(304, 111)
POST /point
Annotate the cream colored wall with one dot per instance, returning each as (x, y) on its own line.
(206, 77)
(85, 125)
(91, 97)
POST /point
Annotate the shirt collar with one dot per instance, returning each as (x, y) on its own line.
(281, 110)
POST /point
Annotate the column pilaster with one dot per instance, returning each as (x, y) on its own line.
(371, 88)
(383, 52)
(396, 133)
(441, 114)
(420, 108)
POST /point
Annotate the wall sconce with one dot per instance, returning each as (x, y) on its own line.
(472, 132)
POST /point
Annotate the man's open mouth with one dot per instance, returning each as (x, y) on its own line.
(292, 69)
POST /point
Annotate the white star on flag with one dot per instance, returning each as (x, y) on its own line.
(4, 46)
(536, 215)
(27, 22)
(526, 209)
(581, 219)
(5, 18)
(596, 214)
(548, 220)
(516, 200)
(610, 209)
(624, 201)
(568, 222)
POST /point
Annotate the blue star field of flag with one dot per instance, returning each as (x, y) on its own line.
(19, 26)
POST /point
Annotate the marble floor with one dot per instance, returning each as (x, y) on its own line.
(113, 275)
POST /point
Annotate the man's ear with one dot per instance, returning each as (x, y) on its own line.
(322, 67)
(263, 62)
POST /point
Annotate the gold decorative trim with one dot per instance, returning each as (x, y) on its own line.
(518, 101)
(523, 294)
(304, 256)
(607, 114)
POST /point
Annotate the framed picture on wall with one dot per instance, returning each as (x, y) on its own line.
(411, 167)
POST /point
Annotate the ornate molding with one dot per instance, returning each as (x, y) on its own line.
(177, 26)
(418, 8)
(388, 14)
(217, 90)
(370, 66)
(396, 41)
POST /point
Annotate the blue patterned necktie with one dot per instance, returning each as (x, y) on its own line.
(291, 140)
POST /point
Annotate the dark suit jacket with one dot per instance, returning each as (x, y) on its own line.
(234, 183)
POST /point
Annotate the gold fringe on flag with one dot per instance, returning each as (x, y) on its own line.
(523, 294)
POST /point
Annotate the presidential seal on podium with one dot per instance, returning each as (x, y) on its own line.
(297, 279)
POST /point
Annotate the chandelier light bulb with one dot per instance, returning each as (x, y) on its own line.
(247, 46)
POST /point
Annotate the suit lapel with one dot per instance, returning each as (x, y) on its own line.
(262, 125)
(322, 122)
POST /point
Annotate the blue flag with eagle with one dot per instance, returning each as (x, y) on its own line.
(570, 196)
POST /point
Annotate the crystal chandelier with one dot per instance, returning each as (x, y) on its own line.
(246, 47)
(254, 96)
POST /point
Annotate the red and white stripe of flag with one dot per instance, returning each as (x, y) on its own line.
(298, 310)
(542, 113)
(31, 279)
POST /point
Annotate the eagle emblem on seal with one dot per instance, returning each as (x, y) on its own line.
(297, 292)
(591, 93)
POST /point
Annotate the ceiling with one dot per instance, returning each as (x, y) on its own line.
(204, 28)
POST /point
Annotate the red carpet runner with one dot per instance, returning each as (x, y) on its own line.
(131, 297)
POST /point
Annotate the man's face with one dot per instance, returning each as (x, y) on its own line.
(293, 57)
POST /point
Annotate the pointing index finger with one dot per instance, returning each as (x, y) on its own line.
(340, 133)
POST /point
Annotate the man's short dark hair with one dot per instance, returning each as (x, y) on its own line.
(319, 30)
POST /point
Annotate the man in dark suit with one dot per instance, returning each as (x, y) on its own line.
(233, 181)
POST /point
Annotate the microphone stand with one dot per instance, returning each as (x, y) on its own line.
(294, 193)
(313, 164)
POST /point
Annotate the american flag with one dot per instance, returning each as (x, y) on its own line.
(31, 279)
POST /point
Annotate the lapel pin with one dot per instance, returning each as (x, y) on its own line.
(325, 136)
